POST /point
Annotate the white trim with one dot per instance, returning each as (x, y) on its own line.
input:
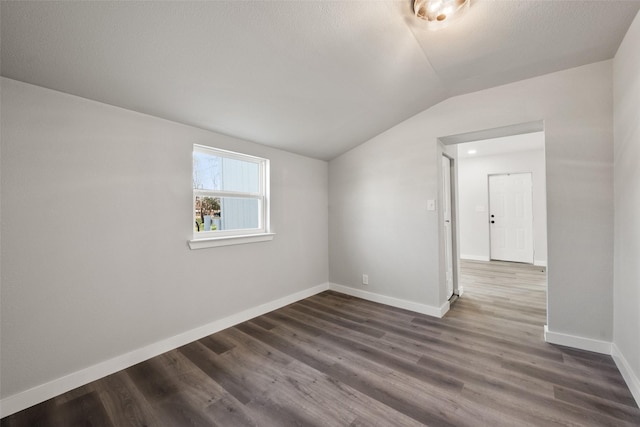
(574, 341)
(393, 302)
(475, 257)
(40, 393)
(262, 197)
(219, 152)
(537, 262)
(231, 194)
(460, 291)
(633, 382)
(230, 240)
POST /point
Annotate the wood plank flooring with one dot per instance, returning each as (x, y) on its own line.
(335, 360)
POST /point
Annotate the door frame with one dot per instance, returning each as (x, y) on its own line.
(455, 258)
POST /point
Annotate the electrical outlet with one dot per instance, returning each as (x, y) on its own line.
(365, 279)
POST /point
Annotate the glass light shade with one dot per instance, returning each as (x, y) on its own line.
(437, 12)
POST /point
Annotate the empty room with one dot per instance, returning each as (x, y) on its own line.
(320, 213)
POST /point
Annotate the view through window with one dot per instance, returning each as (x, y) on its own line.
(229, 193)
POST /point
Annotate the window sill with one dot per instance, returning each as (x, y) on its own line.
(230, 240)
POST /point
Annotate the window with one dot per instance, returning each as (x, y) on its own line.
(230, 198)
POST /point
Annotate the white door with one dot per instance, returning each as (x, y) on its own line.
(511, 217)
(446, 211)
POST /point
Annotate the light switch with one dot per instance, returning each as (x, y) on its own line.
(431, 205)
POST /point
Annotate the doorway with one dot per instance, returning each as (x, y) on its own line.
(496, 159)
(474, 157)
(511, 217)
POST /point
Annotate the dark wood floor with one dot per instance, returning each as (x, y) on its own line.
(334, 360)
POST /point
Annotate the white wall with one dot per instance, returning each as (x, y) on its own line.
(378, 221)
(96, 216)
(626, 291)
(473, 193)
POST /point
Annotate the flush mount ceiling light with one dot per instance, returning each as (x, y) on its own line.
(439, 12)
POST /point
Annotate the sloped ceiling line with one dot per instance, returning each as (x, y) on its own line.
(315, 78)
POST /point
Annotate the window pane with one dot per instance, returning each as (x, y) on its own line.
(226, 213)
(221, 173)
(207, 214)
(207, 172)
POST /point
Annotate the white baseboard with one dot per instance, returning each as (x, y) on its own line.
(580, 343)
(460, 291)
(393, 302)
(537, 262)
(630, 377)
(475, 257)
(38, 394)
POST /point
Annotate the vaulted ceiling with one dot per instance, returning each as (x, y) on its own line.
(312, 77)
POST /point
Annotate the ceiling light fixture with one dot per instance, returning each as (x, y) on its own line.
(439, 12)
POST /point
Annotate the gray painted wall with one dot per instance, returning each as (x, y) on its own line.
(394, 174)
(96, 214)
(626, 291)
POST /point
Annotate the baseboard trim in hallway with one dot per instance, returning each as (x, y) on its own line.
(602, 347)
(627, 373)
(574, 341)
(429, 310)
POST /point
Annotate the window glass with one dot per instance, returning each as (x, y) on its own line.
(211, 172)
(229, 193)
(226, 213)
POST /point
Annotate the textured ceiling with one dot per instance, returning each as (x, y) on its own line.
(311, 77)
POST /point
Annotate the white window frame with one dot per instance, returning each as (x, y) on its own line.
(207, 239)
